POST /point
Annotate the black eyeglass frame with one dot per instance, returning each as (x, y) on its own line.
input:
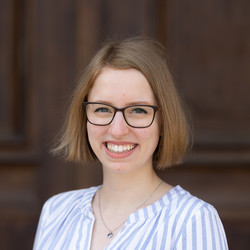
(155, 108)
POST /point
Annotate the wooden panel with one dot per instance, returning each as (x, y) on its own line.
(97, 21)
(11, 123)
(19, 200)
(18, 196)
(55, 79)
(126, 18)
(209, 48)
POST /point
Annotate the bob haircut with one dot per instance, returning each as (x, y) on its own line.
(147, 56)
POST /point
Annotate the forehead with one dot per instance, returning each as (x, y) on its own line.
(122, 86)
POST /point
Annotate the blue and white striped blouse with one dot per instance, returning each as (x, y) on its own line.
(177, 221)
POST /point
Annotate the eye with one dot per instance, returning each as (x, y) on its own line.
(103, 110)
(139, 111)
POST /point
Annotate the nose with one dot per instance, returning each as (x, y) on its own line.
(118, 127)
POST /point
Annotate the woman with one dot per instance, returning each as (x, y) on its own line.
(126, 113)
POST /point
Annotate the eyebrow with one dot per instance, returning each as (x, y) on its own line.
(127, 104)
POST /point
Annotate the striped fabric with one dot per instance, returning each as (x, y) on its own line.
(177, 221)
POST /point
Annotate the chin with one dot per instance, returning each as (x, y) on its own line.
(118, 167)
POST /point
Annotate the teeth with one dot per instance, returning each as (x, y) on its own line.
(120, 148)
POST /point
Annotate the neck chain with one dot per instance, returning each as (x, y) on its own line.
(111, 232)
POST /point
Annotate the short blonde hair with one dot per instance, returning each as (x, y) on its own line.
(147, 56)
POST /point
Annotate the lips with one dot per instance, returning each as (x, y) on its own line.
(120, 148)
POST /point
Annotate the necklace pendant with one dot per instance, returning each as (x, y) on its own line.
(110, 235)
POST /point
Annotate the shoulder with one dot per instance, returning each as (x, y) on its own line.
(185, 209)
(184, 202)
(60, 208)
(66, 201)
(196, 219)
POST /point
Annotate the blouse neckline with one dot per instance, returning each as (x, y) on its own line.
(140, 214)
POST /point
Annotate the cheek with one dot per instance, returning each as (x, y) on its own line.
(151, 137)
(94, 133)
(91, 134)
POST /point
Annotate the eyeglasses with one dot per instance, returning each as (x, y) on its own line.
(136, 116)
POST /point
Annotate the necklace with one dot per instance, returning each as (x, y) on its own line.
(111, 232)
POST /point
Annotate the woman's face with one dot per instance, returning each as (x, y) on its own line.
(119, 147)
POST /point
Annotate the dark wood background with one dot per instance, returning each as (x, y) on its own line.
(43, 46)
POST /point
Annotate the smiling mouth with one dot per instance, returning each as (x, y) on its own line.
(120, 149)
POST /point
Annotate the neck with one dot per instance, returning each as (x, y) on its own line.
(131, 188)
